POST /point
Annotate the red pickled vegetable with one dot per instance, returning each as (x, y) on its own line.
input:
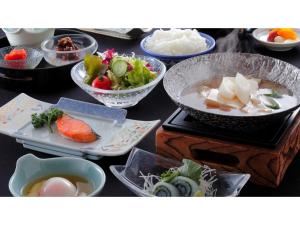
(272, 35)
(16, 54)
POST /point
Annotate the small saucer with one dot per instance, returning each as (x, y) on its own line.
(261, 35)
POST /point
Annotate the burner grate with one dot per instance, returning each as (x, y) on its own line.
(268, 137)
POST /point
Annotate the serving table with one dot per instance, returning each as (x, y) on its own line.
(157, 105)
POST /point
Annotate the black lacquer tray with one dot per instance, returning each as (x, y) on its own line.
(42, 78)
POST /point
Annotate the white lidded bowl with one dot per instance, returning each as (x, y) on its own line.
(28, 36)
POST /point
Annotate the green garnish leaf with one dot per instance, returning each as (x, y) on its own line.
(273, 105)
(274, 94)
(36, 121)
(191, 169)
(47, 118)
(169, 175)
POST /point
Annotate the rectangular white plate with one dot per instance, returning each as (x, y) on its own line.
(58, 153)
(116, 139)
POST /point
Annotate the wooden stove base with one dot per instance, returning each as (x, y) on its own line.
(266, 166)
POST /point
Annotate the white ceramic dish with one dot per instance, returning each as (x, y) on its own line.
(28, 36)
(117, 136)
(52, 151)
(30, 168)
(261, 35)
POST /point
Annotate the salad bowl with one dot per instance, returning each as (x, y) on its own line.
(216, 66)
(119, 98)
(141, 162)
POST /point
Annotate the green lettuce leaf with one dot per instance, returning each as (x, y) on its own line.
(136, 76)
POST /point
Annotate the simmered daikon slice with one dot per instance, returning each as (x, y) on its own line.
(215, 100)
(232, 103)
(212, 99)
(258, 80)
(255, 101)
(227, 88)
(243, 88)
(253, 86)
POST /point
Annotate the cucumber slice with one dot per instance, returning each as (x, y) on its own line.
(119, 67)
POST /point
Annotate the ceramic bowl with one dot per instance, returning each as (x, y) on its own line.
(261, 35)
(202, 68)
(119, 98)
(85, 43)
(29, 168)
(34, 57)
(28, 36)
(171, 60)
(140, 161)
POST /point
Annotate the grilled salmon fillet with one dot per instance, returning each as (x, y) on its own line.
(74, 129)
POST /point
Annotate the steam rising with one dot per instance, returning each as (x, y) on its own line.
(229, 43)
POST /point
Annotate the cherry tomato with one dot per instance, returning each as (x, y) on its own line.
(272, 35)
(102, 82)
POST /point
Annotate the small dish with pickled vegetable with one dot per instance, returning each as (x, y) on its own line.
(278, 39)
(20, 57)
(118, 80)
